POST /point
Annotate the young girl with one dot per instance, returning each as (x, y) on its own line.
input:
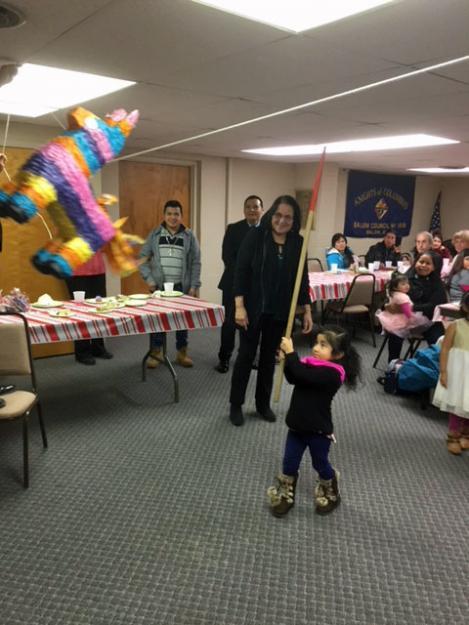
(403, 320)
(458, 279)
(452, 392)
(317, 378)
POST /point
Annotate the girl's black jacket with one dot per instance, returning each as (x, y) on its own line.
(315, 387)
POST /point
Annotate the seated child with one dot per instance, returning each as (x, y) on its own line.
(398, 317)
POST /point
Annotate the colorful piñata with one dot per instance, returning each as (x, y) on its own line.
(56, 178)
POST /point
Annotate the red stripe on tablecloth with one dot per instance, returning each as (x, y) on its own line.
(189, 320)
(212, 318)
(52, 333)
(165, 322)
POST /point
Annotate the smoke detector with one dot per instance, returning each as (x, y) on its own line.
(10, 17)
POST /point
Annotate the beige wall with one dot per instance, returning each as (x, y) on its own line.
(221, 185)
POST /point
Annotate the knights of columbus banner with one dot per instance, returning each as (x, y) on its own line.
(378, 202)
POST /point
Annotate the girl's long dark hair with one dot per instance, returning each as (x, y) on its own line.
(339, 339)
(394, 282)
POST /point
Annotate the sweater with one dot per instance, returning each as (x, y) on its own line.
(152, 271)
(315, 387)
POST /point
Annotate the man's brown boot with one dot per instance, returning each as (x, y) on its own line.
(183, 359)
(155, 358)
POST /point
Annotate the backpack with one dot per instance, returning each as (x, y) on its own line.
(421, 372)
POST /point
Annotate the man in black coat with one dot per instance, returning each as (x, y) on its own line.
(384, 251)
(234, 235)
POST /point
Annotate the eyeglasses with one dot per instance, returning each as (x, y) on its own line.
(286, 218)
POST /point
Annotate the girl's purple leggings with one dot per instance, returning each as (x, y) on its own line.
(457, 424)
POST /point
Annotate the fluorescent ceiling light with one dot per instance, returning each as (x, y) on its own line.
(294, 15)
(356, 145)
(37, 89)
(441, 170)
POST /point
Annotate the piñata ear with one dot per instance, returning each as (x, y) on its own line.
(132, 117)
(118, 115)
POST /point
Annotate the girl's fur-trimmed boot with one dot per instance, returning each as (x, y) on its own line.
(327, 495)
(282, 496)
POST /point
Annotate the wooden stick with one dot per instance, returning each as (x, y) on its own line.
(299, 273)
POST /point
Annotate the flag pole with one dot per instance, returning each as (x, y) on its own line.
(301, 264)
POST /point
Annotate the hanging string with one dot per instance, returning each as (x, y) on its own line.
(6, 134)
(299, 107)
(4, 146)
(45, 225)
(58, 120)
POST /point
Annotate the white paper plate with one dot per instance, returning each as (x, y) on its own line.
(171, 293)
(60, 313)
(140, 296)
(103, 300)
(135, 303)
(52, 304)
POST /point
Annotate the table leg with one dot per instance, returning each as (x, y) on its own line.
(168, 363)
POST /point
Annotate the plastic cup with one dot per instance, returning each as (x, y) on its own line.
(168, 287)
(334, 267)
(79, 296)
(388, 264)
(400, 266)
(371, 267)
(376, 265)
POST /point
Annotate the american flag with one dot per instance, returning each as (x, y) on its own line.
(435, 222)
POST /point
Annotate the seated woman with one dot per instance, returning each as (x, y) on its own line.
(438, 246)
(339, 254)
(458, 279)
(426, 292)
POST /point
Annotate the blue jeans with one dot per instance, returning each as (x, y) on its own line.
(318, 445)
(156, 339)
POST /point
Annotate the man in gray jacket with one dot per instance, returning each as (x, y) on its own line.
(172, 254)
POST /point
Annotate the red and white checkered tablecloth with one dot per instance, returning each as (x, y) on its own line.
(324, 285)
(157, 315)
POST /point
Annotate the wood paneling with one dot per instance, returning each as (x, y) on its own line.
(20, 242)
(144, 188)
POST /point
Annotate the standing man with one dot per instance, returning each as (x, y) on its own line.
(235, 233)
(384, 251)
(172, 254)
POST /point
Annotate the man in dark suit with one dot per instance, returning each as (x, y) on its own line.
(235, 233)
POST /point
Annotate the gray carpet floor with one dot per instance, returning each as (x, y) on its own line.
(144, 512)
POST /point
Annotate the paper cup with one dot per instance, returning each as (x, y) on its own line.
(334, 267)
(400, 266)
(371, 266)
(376, 265)
(79, 296)
(388, 264)
(168, 287)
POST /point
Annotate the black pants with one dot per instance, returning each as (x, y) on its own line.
(228, 329)
(431, 336)
(269, 331)
(93, 286)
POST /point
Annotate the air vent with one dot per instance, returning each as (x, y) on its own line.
(9, 17)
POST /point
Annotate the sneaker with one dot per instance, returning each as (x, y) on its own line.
(267, 414)
(453, 443)
(236, 415)
(282, 496)
(183, 359)
(223, 366)
(85, 360)
(102, 353)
